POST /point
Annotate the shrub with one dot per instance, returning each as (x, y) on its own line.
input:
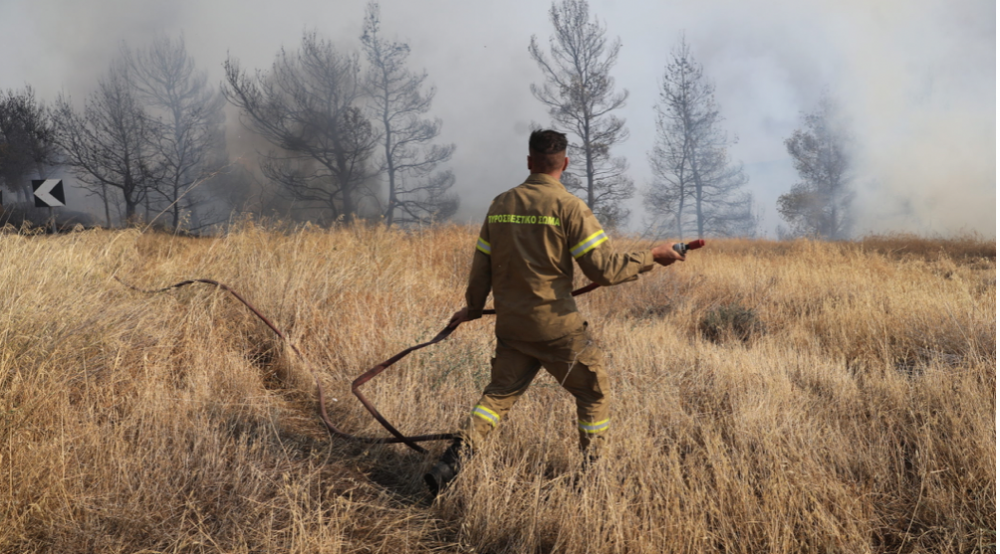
(730, 321)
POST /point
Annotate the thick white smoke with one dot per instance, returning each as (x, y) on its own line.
(916, 80)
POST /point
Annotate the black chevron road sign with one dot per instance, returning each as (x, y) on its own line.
(49, 192)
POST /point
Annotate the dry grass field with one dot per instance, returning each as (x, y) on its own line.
(769, 397)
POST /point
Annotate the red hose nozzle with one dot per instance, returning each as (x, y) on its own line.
(682, 248)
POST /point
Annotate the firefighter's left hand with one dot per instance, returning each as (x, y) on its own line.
(461, 316)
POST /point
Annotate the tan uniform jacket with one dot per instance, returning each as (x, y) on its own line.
(525, 253)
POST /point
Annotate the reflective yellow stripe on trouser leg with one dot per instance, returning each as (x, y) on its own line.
(591, 431)
(487, 414)
(595, 427)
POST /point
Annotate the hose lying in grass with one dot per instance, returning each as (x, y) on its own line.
(356, 384)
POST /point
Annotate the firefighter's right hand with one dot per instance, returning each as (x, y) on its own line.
(461, 316)
(665, 254)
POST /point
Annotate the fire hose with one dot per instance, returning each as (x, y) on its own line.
(397, 437)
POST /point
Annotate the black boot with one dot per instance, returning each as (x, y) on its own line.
(446, 469)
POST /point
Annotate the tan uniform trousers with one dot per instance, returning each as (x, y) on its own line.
(573, 360)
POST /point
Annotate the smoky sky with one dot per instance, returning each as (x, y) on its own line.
(916, 81)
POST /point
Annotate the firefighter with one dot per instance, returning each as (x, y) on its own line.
(525, 252)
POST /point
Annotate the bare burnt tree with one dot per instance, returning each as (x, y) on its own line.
(695, 183)
(417, 190)
(27, 147)
(820, 204)
(190, 113)
(309, 107)
(580, 96)
(112, 145)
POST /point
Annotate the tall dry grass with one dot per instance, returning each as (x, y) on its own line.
(859, 416)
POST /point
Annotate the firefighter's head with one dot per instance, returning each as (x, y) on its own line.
(547, 152)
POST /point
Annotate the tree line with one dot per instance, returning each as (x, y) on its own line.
(697, 190)
(347, 133)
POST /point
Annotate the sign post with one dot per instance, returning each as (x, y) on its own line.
(49, 192)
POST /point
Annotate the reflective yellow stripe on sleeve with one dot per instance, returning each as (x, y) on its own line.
(483, 246)
(487, 414)
(588, 244)
(588, 427)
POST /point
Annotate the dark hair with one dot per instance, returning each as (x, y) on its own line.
(547, 149)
